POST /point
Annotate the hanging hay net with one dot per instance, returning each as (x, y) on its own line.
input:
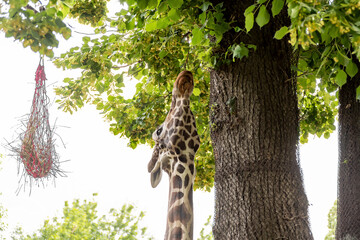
(36, 150)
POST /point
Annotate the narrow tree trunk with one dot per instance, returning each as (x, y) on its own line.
(348, 210)
(254, 130)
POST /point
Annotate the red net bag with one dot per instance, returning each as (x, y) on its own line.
(37, 146)
(36, 151)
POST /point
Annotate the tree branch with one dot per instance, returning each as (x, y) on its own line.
(31, 8)
(124, 66)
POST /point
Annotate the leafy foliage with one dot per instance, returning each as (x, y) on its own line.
(209, 235)
(261, 10)
(80, 221)
(332, 222)
(3, 211)
(36, 28)
(152, 41)
(89, 12)
(317, 114)
(3, 224)
(327, 35)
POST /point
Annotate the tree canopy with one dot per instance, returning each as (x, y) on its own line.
(152, 41)
(81, 221)
(332, 222)
(327, 35)
(3, 224)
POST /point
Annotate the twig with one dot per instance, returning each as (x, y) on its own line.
(31, 8)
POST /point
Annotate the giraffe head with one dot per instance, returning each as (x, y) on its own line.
(184, 84)
(176, 139)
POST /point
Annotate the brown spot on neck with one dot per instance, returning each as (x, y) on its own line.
(177, 182)
(179, 213)
(175, 196)
(176, 234)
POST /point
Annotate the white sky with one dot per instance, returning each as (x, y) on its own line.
(102, 163)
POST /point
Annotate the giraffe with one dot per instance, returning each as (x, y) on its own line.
(176, 142)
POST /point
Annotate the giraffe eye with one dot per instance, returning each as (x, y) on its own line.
(158, 132)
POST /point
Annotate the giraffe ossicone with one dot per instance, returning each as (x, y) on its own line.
(176, 142)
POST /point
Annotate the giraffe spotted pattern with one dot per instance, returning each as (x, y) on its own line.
(176, 142)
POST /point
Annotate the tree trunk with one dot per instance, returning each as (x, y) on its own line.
(254, 130)
(348, 210)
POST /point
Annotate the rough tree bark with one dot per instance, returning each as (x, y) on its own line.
(348, 217)
(254, 130)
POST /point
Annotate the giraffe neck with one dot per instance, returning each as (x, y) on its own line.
(180, 207)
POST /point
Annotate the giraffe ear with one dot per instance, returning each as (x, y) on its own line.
(155, 175)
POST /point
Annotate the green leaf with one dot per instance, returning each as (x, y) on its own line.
(119, 78)
(196, 92)
(49, 40)
(130, 25)
(281, 33)
(174, 15)
(325, 52)
(326, 135)
(162, 7)
(66, 33)
(51, 12)
(152, 4)
(294, 11)
(340, 78)
(99, 106)
(202, 17)
(239, 51)
(249, 9)
(34, 34)
(342, 58)
(112, 38)
(59, 23)
(252, 46)
(111, 98)
(142, 3)
(66, 80)
(123, 12)
(49, 53)
(163, 53)
(249, 21)
(318, 134)
(63, 12)
(86, 39)
(198, 35)
(100, 87)
(162, 23)
(205, 6)
(276, 7)
(151, 26)
(175, 3)
(263, 16)
(358, 93)
(351, 69)
(69, 3)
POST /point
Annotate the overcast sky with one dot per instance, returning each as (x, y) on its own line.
(102, 163)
